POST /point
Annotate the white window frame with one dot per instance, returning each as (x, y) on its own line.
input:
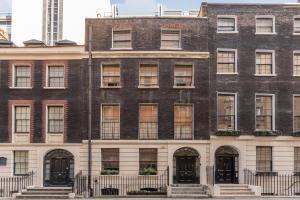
(46, 117)
(101, 119)
(298, 17)
(180, 39)
(13, 118)
(47, 77)
(294, 95)
(13, 85)
(231, 17)
(273, 109)
(273, 61)
(146, 63)
(235, 109)
(268, 17)
(235, 60)
(193, 75)
(295, 52)
(101, 78)
(112, 39)
(149, 104)
(193, 119)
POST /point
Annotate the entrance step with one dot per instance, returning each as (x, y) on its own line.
(231, 190)
(45, 193)
(188, 191)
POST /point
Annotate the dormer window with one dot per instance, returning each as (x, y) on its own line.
(170, 39)
(121, 39)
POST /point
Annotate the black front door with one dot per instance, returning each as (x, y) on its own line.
(60, 171)
(186, 169)
(226, 169)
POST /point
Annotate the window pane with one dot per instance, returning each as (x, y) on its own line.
(170, 38)
(183, 75)
(148, 75)
(183, 122)
(297, 159)
(110, 122)
(148, 122)
(56, 76)
(55, 119)
(110, 160)
(297, 64)
(20, 162)
(264, 159)
(226, 24)
(264, 112)
(148, 161)
(111, 75)
(121, 39)
(264, 63)
(264, 25)
(296, 113)
(226, 61)
(22, 76)
(22, 119)
(226, 112)
(297, 25)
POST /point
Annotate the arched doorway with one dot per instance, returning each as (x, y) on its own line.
(226, 165)
(58, 168)
(186, 163)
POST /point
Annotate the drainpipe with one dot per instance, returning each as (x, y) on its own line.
(90, 190)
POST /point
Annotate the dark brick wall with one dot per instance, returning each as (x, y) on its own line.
(130, 96)
(146, 32)
(284, 85)
(75, 95)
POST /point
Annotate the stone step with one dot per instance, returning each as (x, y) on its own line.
(186, 185)
(233, 189)
(46, 192)
(231, 185)
(41, 196)
(237, 192)
(189, 196)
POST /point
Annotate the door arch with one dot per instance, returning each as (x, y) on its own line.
(58, 168)
(226, 165)
(186, 165)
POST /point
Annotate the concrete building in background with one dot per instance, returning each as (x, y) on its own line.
(5, 26)
(66, 20)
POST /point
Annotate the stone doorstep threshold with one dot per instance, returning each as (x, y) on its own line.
(127, 197)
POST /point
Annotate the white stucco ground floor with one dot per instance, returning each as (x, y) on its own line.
(188, 161)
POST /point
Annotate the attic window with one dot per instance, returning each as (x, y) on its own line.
(121, 39)
(226, 24)
(170, 39)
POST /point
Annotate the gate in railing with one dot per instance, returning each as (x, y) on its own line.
(14, 184)
(122, 185)
(272, 183)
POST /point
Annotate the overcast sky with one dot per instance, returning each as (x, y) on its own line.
(147, 7)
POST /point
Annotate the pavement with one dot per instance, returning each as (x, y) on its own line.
(227, 198)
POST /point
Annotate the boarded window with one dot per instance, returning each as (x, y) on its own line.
(121, 39)
(148, 75)
(56, 77)
(148, 123)
(22, 119)
(148, 161)
(110, 128)
(264, 159)
(111, 75)
(170, 39)
(264, 112)
(226, 24)
(20, 162)
(264, 25)
(183, 122)
(55, 119)
(264, 63)
(183, 75)
(22, 76)
(226, 112)
(110, 161)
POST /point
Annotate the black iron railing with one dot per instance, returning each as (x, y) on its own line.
(122, 185)
(14, 184)
(272, 183)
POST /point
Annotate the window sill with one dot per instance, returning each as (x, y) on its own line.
(234, 73)
(21, 88)
(228, 133)
(296, 75)
(171, 49)
(150, 87)
(265, 75)
(55, 133)
(118, 49)
(107, 87)
(296, 34)
(266, 173)
(183, 87)
(228, 32)
(18, 133)
(266, 133)
(274, 33)
(54, 88)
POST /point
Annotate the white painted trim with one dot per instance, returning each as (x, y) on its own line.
(101, 77)
(13, 120)
(47, 77)
(13, 85)
(273, 61)
(235, 59)
(193, 120)
(235, 23)
(180, 39)
(101, 112)
(193, 75)
(46, 121)
(235, 109)
(273, 109)
(145, 63)
(149, 104)
(265, 16)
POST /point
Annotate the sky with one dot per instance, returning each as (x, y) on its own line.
(148, 7)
